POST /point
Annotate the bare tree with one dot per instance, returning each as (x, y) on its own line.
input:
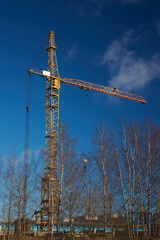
(137, 156)
(17, 199)
(9, 184)
(105, 165)
(66, 156)
(73, 192)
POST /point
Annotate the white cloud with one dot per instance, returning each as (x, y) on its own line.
(127, 70)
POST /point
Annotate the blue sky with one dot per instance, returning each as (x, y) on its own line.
(109, 42)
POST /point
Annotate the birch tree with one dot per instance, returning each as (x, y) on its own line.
(9, 185)
(67, 155)
(102, 147)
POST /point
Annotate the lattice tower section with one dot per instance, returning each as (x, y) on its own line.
(50, 181)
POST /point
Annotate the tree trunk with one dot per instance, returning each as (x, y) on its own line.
(4, 206)
(104, 199)
(20, 205)
(12, 166)
(60, 198)
(25, 195)
(121, 180)
(71, 213)
(149, 186)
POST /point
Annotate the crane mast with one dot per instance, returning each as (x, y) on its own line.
(46, 216)
(50, 181)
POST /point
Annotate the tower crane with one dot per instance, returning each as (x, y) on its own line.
(46, 216)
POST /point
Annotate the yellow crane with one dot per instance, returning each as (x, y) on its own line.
(46, 215)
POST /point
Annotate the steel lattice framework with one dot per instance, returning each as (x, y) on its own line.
(46, 216)
(50, 178)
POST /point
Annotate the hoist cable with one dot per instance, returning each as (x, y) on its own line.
(84, 107)
(26, 150)
(38, 55)
(28, 115)
(27, 124)
(82, 60)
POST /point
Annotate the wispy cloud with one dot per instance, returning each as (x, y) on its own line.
(73, 51)
(87, 8)
(130, 1)
(20, 157)
(128, 71)
(92, 9)
(158, 28)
